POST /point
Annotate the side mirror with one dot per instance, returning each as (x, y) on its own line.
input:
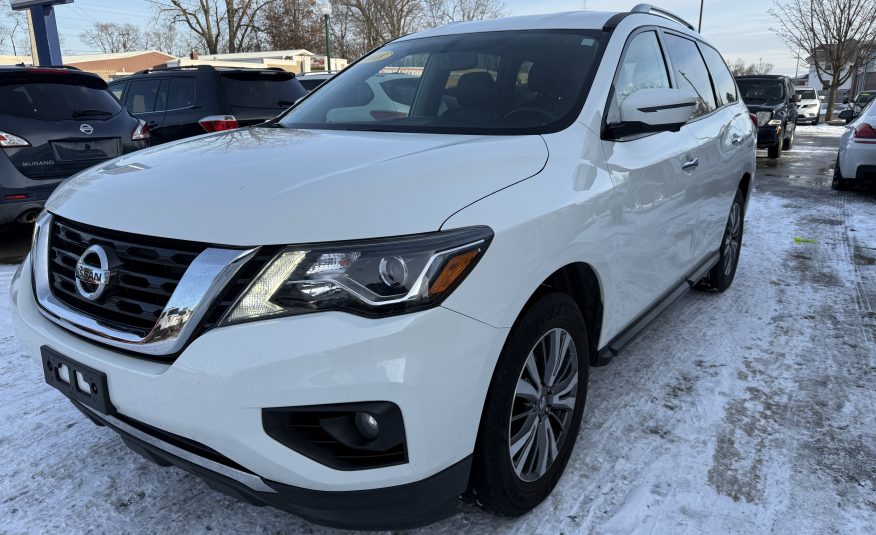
(797, 97)
(846, 114)
(654, 110)
(820, 97)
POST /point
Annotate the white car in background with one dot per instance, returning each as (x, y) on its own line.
(391, 295)
(856, 159)
(809, 106)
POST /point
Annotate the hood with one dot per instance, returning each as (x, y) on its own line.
(262, 186)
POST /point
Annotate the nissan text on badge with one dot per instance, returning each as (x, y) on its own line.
(367, 308)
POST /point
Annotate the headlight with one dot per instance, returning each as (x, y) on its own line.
(763, 117)
(370, 278)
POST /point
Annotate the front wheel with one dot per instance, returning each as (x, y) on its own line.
(789, 141)
(534, 408)
(721, 276)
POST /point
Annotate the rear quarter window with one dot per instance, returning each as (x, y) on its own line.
(55, 101)
(261, 90)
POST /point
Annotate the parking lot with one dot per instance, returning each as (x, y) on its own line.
(744, 412)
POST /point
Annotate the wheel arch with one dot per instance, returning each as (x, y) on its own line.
(581, 282)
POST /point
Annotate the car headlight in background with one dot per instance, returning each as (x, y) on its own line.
(763, 117)
(371, 278)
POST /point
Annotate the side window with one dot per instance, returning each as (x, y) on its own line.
(144, 96)
(725, 86)
(182, 93)
(690, 71)
(118, 91)
(643, 67)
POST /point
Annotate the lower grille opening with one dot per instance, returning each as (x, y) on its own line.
(331, 435)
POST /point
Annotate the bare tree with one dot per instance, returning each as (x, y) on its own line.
(290, 24)
(110, 37)
(221, 25)
(438, 12)
(14, 31)
(838, 36)
(167, 37)
(741, 68)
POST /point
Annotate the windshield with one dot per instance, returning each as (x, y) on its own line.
(763, 90)
(807, 94)
(56, 102)
(863, 98)
(509, 82)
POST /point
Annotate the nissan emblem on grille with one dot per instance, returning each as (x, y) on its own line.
(86, 129)
(93, 272)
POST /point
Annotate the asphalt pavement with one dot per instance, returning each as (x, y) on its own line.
(750, 411)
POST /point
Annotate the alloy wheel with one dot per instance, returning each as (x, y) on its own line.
(544, 401)
(732, 239)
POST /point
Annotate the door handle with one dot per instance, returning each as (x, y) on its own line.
(152, 124)
(690, 165)
(736, 140)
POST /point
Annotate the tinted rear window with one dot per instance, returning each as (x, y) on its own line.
(261, 90)
(56, 102)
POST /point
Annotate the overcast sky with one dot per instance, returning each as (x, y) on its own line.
(738, 28)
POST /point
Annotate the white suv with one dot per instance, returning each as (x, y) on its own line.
(809, 106)
(360, 321)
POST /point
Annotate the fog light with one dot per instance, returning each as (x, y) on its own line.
(367, 425)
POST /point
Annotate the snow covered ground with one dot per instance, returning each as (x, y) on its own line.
(746, 412)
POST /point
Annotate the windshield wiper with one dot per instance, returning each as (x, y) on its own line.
(88, 113)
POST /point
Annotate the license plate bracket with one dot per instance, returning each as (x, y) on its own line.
(97, 394)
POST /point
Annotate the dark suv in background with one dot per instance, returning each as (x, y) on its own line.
(179, 102)
(772, 99)
(55, 122)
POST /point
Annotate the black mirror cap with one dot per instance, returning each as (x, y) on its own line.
(846, 114)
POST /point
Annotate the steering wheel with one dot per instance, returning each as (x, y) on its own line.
(533, 110)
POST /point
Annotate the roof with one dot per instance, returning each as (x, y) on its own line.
(550, 21)
(571, 20)
(118, 55)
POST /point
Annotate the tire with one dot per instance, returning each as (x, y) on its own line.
(787, 143)
(721, 276)
(817, 121)
(775, 151)
(498, 483)
(839, 183)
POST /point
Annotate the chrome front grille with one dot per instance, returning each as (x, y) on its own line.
(149, 272)
(158, 290)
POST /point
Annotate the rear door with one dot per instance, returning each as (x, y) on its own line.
(146, 99)
(734, 147)
(711, 129)
(656, 187)
(71, 122)
(256, 96)
(184, 109)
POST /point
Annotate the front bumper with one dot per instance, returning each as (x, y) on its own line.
(769, 136)
(436, 365)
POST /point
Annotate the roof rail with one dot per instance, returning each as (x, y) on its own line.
(179, 68)
(649, 9)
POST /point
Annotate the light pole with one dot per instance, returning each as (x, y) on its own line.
(326, 8)
(700, 27)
